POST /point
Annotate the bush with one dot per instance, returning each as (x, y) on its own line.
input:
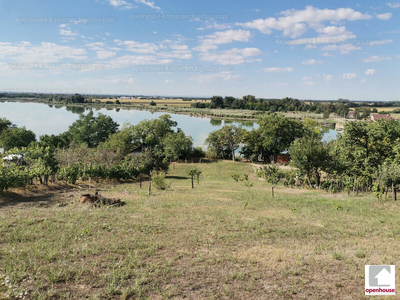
(158, 180)
(198, 152)
(152, 103)
(236, 177)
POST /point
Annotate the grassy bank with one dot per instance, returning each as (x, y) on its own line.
(221, 240)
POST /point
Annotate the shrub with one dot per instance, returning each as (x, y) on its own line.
(198, 152)
(236, 177)
(158, 180)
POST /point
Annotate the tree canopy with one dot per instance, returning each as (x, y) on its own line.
(92, 130)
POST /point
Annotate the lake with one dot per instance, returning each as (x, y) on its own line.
(44, 119)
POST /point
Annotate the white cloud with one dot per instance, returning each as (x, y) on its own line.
(165, 49)
(103, 54)
(370, 72)
(209, 42)
(278, 70)
(115, 79)
(25, 52)
(107, 33)
(67, 32)
(295, 23)
(327, 35)
(376, 58)
(344, 48)
(148, 3)
(137, 47)
(211, 77)
(97, 46)
(215, 25)
(233, 56)
(308, 83)
(121, 4)
(307, 78)
(326, 54)
(349, 76)
(382, 42)
(168, 81)
(126, 5)
(333, 30)
(393, 5)
(254, 60)
(312, 62)
(327, 77)
(385, 16)
(135, 60)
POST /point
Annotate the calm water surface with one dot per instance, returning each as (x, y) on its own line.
(43, 119)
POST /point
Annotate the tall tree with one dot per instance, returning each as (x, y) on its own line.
(278, 132)
(92, 130)
(16, 137)
(311, 156)
(4, 124)
(226, 140)
(217, 101)
(177, 145)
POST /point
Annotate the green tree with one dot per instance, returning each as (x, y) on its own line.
(121, 142)
(390, 176)
(42, 161)
(217, 102)
(253, 148)
(278, 133)
(77, 98)
(5, 124)
(311, 156)
(194, 172)
(16, 137)
(54, 141)
(177, 145)
(92, 130)
(225, 141)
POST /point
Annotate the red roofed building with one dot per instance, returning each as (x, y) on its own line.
(375, 117)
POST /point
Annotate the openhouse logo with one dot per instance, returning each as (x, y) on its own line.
(379, 280)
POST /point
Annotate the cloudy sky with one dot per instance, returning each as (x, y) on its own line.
(302, 49)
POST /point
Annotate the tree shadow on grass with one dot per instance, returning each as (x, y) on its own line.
(178, 177)
(38, 196)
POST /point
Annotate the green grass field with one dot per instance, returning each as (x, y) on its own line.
(221, 240)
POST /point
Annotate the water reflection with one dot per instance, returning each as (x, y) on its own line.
(76, 109)
(47, 119)
(215, 122)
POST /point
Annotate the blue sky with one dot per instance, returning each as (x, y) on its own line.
(271, 49)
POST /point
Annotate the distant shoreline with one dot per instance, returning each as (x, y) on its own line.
(217, 114)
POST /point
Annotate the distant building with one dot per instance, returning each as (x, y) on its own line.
(350, 115)
(375, 117)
